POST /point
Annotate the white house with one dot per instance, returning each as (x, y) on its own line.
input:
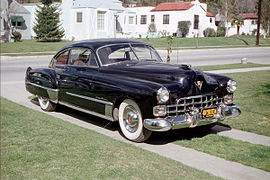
(14, 18)
(83, 19)
(166, 16)
(250, 24)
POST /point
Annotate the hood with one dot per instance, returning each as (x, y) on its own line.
(178, 79)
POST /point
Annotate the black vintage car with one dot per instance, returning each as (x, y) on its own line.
(125, 80)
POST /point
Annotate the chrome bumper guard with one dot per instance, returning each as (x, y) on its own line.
(191, 119)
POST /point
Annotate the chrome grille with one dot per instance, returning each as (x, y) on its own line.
(186, 103)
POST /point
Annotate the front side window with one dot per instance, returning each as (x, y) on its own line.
(127, 53)
(79, 17)
(101, 20)
(166, 19)
(82, 57)
(143, 19)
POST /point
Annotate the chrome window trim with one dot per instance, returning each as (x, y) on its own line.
(43, 87)
(90, 99)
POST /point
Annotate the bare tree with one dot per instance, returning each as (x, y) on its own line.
(228, 9)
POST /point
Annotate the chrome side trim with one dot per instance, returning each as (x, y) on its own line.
(43, 87)
(90, 99)
(86, 111)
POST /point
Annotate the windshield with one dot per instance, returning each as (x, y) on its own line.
(127, 52)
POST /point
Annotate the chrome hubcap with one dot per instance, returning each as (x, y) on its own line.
(130, 117)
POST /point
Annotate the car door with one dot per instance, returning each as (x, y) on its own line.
(78, 89)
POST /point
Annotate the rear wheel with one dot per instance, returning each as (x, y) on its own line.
(46, 104)
(131, 123)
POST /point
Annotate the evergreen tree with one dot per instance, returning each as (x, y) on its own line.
(48, 27)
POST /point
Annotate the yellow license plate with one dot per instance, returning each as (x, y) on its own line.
(209, 113)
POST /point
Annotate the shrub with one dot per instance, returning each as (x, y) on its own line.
(221, 31)
(243, 34)
(183, 28)
(209, 32)
(254, 32)
(152, 28)
(17, 36)
(164, 33)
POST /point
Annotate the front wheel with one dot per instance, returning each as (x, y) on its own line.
(46, 104)
(131, 123)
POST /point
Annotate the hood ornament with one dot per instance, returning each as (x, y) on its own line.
(199, 84)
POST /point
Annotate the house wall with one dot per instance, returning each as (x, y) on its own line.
(32, 20)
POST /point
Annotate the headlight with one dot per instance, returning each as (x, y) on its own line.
(231, 86)
(163, 95)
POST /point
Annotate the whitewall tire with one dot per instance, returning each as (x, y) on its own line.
(46, 104)
(131, 122)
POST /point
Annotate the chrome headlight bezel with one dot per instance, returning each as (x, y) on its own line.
(163, 95)
(231, 86)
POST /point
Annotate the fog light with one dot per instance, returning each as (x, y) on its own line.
(228, 99)
(159, 110)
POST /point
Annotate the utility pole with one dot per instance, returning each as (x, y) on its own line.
(259, 23)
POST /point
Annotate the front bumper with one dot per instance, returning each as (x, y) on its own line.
(191, 119)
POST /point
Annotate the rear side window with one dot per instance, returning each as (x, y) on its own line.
(62, 58)
(82, 57)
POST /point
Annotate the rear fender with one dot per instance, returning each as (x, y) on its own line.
(42, 82)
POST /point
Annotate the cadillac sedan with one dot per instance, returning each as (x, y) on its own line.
(126, 81)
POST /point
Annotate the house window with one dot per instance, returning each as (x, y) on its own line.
(143, 19)
(17, 21)
(130, 19)
(152, 18)
(210, 20)
(166, 19)
(17, 24)
(196, 21)
(79, 17)
(253, 22)
(100, 20)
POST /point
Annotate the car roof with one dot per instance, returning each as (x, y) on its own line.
(94, 44)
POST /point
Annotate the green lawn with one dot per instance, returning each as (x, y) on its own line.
(237, 41)
(31, 46)
(160, 43)
(35, 145)
(230, 66)
(253, 97)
